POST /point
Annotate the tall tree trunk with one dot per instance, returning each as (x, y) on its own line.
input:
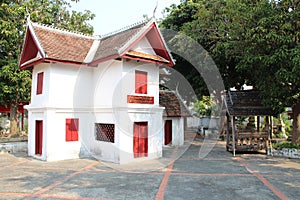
(296, 123)
(14, 128)
(282, 125)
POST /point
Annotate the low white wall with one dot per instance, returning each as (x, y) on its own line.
(193, 122)
(285, 152)
(13, 147)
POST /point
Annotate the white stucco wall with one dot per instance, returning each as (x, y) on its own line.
(144, 46)
(126, 120)
(32, 117)
(177, 130)
(70, 86)
(41, 100)
(95, 95)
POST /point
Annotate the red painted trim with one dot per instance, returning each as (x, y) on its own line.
(59, 182)
(161, 44)
(146, 60)
(37, 44)
(168, 131)
(262, 179)
(29, 34)
(141, 82)
(40, 83)
(137, 40)
(51, 60)
(211, 175)
(32, 63)
(163, 185)
(25, 45)
(72, 128)
(38, 137)
(6, 109)
(148, 30)
(140, 99)
(140, 139)
(96, 62)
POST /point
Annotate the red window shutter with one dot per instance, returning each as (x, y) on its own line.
(168, 131)
(136, 141)
(40, 80)
(140, 139)
(141, 80)
(144, 140)
(75, 126)
(38, 137)
(68, 130)
(72, 127)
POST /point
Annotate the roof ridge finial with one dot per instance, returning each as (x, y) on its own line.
(154, 11)
(28, 14)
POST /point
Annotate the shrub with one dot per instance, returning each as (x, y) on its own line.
(285, 144)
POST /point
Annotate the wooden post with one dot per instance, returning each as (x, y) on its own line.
(258, 122)
(268, 142)
(22, 127)
(271, 127)
(270, 134)
(233, 134)
(227, 130)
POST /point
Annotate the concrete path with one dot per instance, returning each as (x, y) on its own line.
(216, 176)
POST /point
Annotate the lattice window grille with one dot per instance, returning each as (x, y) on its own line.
(105, 132)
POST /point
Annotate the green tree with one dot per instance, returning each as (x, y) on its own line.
(15, 84)
(272, 56)
(252, 42)
(206, 22)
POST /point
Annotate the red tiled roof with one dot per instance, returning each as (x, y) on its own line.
(111, 44)
(174, 107)
(59, 45)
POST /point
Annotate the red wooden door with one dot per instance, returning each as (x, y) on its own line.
(140, 139)
(38, 136)
(168, 132)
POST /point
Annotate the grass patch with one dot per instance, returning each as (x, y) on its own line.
(285, 144)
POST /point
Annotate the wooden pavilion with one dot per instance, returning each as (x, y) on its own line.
(243, 106)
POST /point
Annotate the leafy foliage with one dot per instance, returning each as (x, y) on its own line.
(285, 144)
(15, 84)
(252, 42)
(203, 107)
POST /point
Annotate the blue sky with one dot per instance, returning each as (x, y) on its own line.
(112, 15)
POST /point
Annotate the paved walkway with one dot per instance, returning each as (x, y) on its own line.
(217, 176)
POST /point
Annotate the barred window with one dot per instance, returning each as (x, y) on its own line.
(105, 132)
